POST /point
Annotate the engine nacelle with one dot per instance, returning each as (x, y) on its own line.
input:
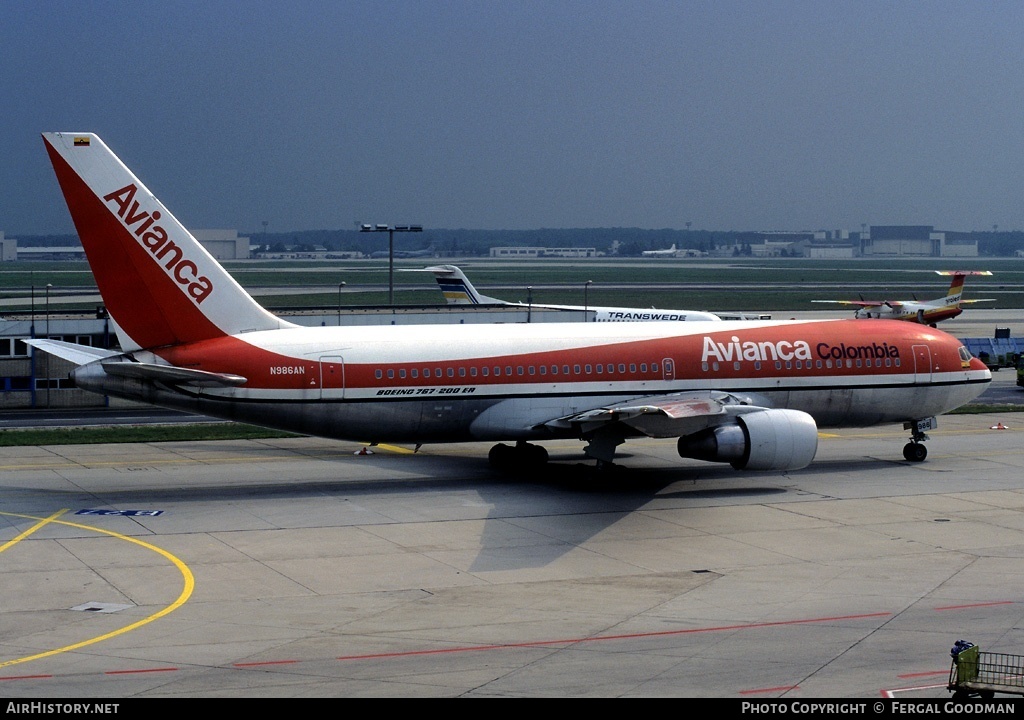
(762, 440)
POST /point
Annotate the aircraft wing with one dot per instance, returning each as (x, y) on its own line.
(974, 300)
(858, 303)
(664, 415)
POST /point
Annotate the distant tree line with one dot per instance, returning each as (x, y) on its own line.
(630, 242)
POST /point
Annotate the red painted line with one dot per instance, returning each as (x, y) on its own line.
(973, 605)
(781, 688)
(267, 662)
(541, 643)
(631, 636)
(924, 674)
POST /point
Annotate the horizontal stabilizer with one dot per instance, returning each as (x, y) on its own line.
(171, 374)
(78, 354)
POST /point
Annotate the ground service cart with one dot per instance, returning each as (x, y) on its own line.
(983, 674)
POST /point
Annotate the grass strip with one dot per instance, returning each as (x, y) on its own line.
(137, 434)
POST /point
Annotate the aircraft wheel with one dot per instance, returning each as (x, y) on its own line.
(915, 452)
(501, 456)
(534, 455)
(522, 456)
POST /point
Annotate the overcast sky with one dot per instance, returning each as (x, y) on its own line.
(487, 114)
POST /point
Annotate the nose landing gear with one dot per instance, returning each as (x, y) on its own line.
(915, 451)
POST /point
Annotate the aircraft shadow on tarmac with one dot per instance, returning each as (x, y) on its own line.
(589, 503)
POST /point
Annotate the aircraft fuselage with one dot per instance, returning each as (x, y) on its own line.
(503, 381)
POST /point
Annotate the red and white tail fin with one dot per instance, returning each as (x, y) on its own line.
(955, 294)
(160, 286)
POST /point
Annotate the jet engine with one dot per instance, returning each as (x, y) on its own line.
(761, 440)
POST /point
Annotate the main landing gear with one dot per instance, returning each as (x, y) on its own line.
(522, 456)
(915, 451)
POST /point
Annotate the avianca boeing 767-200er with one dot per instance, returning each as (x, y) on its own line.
(750, 393)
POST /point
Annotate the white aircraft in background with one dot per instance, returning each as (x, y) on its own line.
(458, 290)
(750, 394)
(667, 252)
(404, 254)
(925, 313)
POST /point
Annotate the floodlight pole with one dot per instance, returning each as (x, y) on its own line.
(390, 230)
(32, 334)
(340, 286)
(48, 286)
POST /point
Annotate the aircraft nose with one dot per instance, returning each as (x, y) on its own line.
(979, 366)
